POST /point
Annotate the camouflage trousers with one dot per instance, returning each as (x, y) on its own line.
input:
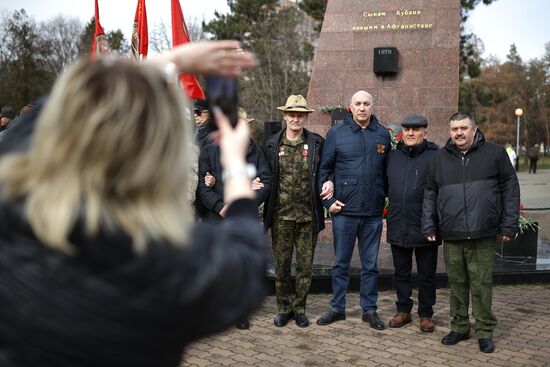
(287, 235)
(470, 270)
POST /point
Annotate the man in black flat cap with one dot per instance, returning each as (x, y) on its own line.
(406, 171)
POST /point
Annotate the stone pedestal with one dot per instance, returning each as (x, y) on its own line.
(426, 34)
(324, 254)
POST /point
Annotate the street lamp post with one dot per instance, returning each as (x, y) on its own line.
(518, 113)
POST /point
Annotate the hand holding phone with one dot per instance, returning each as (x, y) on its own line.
(222, 92)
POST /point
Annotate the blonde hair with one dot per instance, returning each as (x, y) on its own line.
(111, 148)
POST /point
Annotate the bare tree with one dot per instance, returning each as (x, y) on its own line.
(194, 26)
(281, 36)
(160, 38)
(58, 36)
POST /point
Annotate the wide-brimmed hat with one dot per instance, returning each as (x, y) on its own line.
(243, 115)
(414, 121)
(295, 103)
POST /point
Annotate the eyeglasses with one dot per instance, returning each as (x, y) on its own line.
(198, 113)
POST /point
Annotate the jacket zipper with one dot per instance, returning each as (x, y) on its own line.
(404, 205)
(464, 193)
(363, 170)
(311, 188)
(273, 197)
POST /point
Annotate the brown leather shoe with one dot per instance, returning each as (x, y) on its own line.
(426, 324)
(400, 319)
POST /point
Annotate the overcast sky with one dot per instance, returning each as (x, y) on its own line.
(115, 14)
(523, 22)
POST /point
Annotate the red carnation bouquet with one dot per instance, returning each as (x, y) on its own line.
(395, 139)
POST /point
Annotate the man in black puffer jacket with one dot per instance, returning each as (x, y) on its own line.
(406, 171)
(472, 192)
(211, 189)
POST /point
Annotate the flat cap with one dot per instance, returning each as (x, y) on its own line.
(414, 121)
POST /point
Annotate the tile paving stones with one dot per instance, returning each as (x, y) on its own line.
(521, 337)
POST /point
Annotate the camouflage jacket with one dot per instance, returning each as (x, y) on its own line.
(315, 146)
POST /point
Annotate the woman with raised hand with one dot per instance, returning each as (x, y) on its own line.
(100, 264)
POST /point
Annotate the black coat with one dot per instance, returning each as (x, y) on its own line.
(473, 195)
(315, 147)
(202, 135)
(406, 172)
(108, 306)
(202, 139)
(209, 161)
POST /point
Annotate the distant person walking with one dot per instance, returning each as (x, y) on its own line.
(534, 154)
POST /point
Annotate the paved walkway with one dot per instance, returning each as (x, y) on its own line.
(522, 337)
(535, 188)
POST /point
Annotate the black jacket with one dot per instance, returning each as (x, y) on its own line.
(109, 306)
(202, 135)
(472, 195)
(315, 147)
(18, 137)
(406, 172)
(209, 161)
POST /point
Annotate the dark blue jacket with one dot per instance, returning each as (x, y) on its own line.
(356, 157)
(406, 171)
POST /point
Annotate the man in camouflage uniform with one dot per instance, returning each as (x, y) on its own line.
(294, 210)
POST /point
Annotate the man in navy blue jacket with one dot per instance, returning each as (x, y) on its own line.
(354, 154)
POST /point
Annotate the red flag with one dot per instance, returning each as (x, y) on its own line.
(140, 37)
(100, 44)
(180, 35)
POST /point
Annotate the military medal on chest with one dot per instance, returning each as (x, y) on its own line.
(304, 150)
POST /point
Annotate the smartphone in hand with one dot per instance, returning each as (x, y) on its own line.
(222, 92)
